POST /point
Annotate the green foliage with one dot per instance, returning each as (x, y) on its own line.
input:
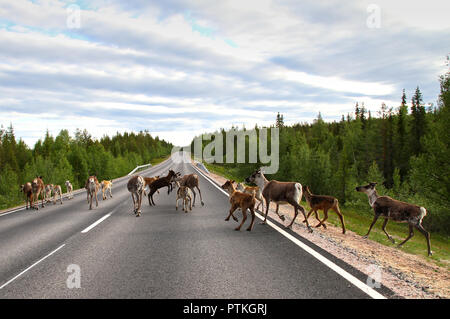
(74, 159)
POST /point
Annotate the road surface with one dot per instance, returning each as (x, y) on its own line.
(162, 254)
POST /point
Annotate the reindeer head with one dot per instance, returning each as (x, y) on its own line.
(255, 177)
(228, 186)
(367, 189)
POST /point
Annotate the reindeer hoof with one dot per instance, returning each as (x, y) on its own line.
(227, 219)
(392, 240)
(237, 229)
(235, 219)
(430, 254)
(282, 217)
(262, 223)
(310, 230)
(203, 204)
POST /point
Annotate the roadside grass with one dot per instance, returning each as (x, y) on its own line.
(359, 221)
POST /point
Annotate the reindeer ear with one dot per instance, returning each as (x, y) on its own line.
(374, 183)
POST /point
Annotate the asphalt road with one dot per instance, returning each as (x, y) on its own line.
(162, 254)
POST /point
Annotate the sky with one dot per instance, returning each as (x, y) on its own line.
(181, 68)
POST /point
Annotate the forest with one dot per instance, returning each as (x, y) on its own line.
(64, 157)
(405, 149)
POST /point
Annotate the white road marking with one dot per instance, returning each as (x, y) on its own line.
(95, 224)
(37, 262)
(352, 279)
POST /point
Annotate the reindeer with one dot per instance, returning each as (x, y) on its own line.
(249, 190)
(280, 193)
(135, 186)
(57, 191)
(165, 181)
(48, 188)
(148, 181)
(240, 200)
(69, 188)
(396, 210)
(37, 187)
(191, 181)
(28, 192)
(92, 186)
(325, 203)
(106, 187)
(186, 195)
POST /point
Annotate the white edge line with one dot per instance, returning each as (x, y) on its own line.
(352, 279)
(37, 262)
(95, 224)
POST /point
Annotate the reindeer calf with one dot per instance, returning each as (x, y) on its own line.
(240, 200)
(69, 188)
(28, 192)
(249, 190)
(57, 191)
(186, 195)
(325, 203)
(106, 187)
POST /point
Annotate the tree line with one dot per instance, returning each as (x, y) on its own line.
(64, 157)
(405, 149)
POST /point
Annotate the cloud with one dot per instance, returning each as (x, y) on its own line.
(180, 68)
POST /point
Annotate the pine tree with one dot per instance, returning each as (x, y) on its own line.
(419, 122)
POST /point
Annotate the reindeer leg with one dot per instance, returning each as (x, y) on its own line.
(244, 218)
(279, 215)
(371, 225)
(252, 211)
(384, 229)
(195, 195)
(139, 204)
(201, 199)
(341, 217)
(411, 234)
(325, 217)
(232, 209)
(427, 236)
(267, 211)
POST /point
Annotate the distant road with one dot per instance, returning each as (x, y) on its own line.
(162, 254)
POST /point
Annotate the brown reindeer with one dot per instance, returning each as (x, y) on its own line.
(191, 181)
(48, 189)
(240, 200)
(148, 181)
(161, 182)
(92, 187)
(325, 203)
(186, 195)
(106, 187)
(135, 186)
(57, 191)
(249, 190)
(27, 190)
(37, 187)
(389, 208)
(280, 193)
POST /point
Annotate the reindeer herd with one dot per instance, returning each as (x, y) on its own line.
(35, 189)
(241, 197)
